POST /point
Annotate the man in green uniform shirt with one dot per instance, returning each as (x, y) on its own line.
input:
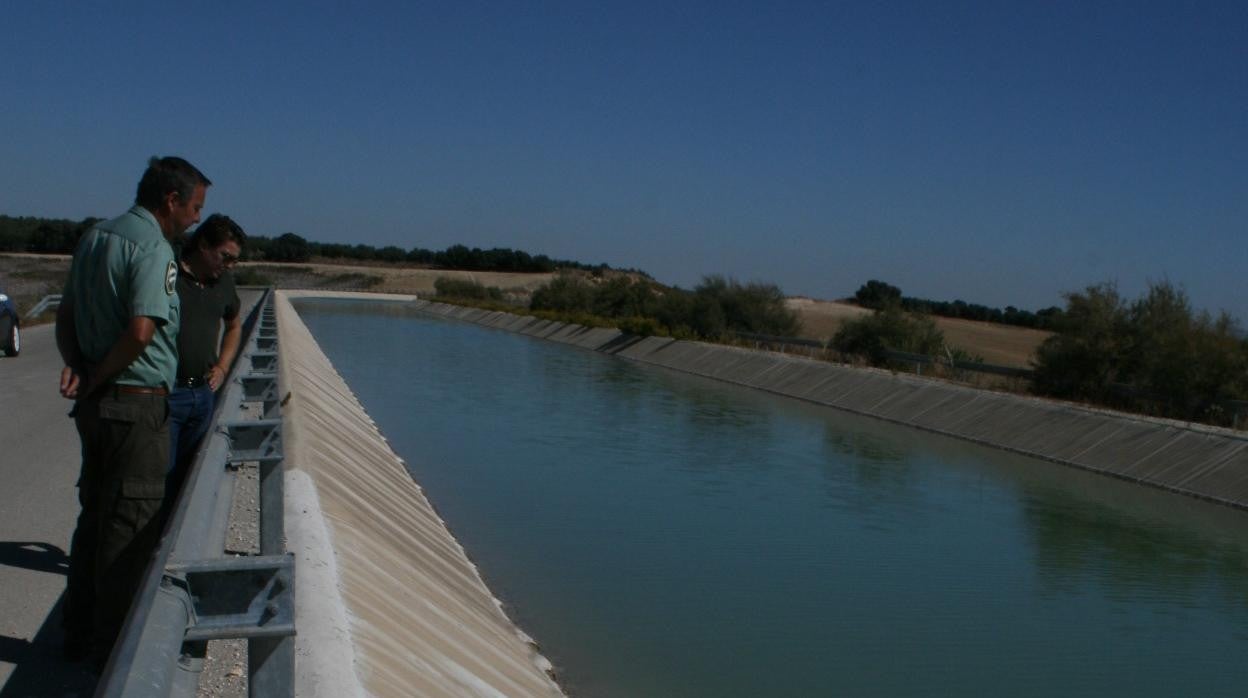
(116, 329)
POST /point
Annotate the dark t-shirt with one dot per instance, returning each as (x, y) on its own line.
(203, 309)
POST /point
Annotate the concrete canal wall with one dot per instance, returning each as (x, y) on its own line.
(387, 602)
(1195, 460)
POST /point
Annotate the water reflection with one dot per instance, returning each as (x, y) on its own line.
(1079, 542)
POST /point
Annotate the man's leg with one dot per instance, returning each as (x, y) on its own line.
(79, 606)
(190, 412)
(181, 405)
(135, 431)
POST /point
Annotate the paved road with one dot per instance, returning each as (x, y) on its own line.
(38, 507)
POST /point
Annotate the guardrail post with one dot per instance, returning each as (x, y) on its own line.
(271, 660)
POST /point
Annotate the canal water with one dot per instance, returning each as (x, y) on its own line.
(665, 535)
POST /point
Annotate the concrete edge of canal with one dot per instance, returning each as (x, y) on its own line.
(1196, 460)
(388, 603)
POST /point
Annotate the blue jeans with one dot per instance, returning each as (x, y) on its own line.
(190, 411)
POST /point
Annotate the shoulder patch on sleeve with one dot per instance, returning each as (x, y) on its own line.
(171, 277)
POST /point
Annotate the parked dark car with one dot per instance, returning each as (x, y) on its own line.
(10, 327)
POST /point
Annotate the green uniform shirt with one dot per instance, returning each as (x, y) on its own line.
(124, 269)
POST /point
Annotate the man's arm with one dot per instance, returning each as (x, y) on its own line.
(125, 350)
(67, 344)
(229, 347)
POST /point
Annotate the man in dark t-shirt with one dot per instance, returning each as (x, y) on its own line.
(209, 299)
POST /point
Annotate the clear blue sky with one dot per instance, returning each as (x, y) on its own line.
(997, 152)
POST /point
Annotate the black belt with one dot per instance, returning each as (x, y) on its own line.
(192, 382)
(139, 389)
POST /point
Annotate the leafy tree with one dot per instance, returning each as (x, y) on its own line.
(290, 247)
(1160, 354)
(674, 309)
(418, 255)
(1083, 359)
(706, 316)
(1155, 355)
(877, 294)
(390, 253)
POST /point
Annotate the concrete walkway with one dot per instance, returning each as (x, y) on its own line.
(39, 462)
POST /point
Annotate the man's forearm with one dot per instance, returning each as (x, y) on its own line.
(67, 335)
(124, 351)
(229, 343)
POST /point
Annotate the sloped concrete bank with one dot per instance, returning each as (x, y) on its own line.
(387, 602)
(1204, 462)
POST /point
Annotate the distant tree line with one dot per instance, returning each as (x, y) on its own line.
(715, 309)
(42, 235)
(877, 294)
(59, 236)
(290, 247)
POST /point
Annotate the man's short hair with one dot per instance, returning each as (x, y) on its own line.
(167, 174)
(216, 230)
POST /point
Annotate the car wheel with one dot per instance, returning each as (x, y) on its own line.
(12, 336)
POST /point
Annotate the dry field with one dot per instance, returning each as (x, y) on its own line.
(997, 344)
(29, 277)
(390, 279)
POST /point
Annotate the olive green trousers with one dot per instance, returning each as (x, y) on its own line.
(125, 454)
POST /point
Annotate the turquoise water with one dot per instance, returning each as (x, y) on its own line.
(665, 535)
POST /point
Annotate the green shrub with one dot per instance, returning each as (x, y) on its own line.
(566, 293)
(447, 287)
(755, 308)
(890, 329)
(714, 310)
(623, 297)
(1155, 355)
(1086, 355)
(642, 327)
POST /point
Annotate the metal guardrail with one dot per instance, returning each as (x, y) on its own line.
(47, 302)
(192, 592)
(976, 366)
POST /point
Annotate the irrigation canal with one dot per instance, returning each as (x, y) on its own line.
(662, 534)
